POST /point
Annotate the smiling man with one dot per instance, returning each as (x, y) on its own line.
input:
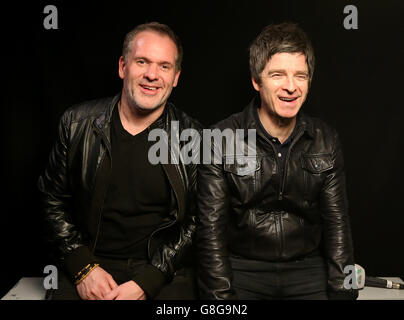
(276, 227)
(121, 227)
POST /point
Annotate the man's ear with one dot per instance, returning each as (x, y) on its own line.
(176, 78)
(122, 65)
(255, 84)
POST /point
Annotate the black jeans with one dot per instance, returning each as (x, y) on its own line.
(304, 279)
(182, 287)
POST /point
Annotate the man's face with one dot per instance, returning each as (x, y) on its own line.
(149, 74)
(284, 84)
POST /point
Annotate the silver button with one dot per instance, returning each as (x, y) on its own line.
(279, 155)
(274, 140)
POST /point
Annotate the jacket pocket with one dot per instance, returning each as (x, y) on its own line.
(315, 168)
(241, 175)
(316, 163)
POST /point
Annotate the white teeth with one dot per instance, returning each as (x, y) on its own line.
(149, 88)
(287, 99)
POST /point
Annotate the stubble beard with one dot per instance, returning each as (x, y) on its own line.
(282, 121)
(137, 107)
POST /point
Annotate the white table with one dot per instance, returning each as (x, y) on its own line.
(27, 289)
(372, 293)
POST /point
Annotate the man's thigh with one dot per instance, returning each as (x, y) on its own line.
(182, 287)
(305, 280)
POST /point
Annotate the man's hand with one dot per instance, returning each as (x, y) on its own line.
(127, 291)
(96, 285)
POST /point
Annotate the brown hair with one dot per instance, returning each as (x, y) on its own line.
(277, 38)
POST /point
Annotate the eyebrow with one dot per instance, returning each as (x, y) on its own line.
(284, 71)
(148, 61)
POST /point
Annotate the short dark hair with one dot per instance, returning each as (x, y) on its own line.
(157, 27)
(277, 38)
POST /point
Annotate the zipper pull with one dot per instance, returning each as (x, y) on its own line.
(280, 195)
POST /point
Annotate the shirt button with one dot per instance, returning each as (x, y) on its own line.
(274, 140)
(279, 155)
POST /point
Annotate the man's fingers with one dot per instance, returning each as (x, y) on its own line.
(105, 288)
(96, 294)
(90, 296)
(112, 295)
(108, 286)
(113, 285)
(98, 285)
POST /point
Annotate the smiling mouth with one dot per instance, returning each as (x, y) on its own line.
(149, 88)
(288, 99)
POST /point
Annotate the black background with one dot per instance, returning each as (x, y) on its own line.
(357, 88)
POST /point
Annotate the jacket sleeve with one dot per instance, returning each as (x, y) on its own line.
(56, 200)
(337, 238)
(168, 258)
(214, 270)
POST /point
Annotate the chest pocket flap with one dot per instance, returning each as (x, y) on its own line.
(317, 163)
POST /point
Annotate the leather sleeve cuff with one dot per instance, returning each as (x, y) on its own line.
(151, 280)
(77, 260)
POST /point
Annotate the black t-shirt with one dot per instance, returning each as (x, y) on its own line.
(138, 196)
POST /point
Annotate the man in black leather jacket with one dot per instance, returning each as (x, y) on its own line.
(121, 227)
(275, 225)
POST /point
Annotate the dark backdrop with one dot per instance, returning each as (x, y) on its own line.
(357, 88)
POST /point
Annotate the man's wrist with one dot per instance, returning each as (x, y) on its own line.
(83, 273)
(76, 260)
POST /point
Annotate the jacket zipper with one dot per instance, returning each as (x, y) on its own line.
(286, 165)
(99, 219)
(281, 187)
(103, 198)
(280, 233)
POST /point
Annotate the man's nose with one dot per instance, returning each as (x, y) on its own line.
(151, 72)
(289, 84)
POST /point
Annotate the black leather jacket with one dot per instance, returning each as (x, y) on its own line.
(74, 183)
(245, 211)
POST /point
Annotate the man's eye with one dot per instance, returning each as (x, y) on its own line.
(276, 75)
(165, 67)
(302, 77)
(140, 62)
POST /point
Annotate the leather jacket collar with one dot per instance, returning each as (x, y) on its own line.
(103, 121)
